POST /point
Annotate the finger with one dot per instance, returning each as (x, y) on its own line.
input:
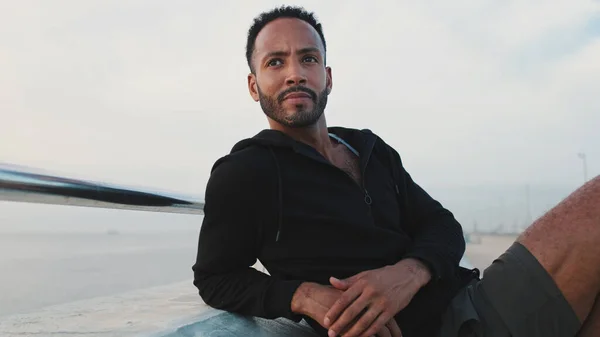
(363, 322)
(352, 279)
(353, 312)
(341, 304)
(346, 283)
(341, 333)
(366, 320)
(339, 284)
(380, 322)
(384, 332)
(349, 281)
(394, 328)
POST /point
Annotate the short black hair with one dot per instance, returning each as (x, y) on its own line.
(280, 12)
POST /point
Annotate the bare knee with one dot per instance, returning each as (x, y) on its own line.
(571, 228)
(566, 242)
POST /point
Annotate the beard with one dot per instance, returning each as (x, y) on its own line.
(301, 117)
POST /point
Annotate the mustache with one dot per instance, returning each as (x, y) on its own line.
(281, 96)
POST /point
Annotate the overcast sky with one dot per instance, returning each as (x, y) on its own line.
(151, 93)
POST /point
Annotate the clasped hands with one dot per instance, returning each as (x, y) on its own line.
(365, 304)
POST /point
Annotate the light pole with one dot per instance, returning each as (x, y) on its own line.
(528, 218)
(583, 158)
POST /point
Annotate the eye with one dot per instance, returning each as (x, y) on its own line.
(310, 59)
(274, 62)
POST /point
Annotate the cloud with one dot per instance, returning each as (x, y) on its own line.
(150, 93)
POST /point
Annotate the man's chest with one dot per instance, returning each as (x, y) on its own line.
(347, 161)
(321, 195)
(320, 204)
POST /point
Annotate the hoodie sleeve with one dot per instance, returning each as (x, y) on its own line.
(438, 239)
(228, 247)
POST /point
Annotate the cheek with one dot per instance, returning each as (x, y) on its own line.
(319, 79)
(268, 86)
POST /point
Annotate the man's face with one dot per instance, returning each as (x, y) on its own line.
(290, 79)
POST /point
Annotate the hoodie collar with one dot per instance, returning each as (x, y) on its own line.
(362, 140)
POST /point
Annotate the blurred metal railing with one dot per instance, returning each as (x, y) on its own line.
(22, 184)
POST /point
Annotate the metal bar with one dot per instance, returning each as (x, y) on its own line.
(22, 184)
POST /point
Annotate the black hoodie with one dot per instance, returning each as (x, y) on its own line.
(280, 201)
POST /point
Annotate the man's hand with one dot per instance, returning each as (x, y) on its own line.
(372, 298)
(314, 300)
(391, 329)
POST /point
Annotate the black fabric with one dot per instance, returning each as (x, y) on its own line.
(278, 200)
(516, 298)
(525, 297)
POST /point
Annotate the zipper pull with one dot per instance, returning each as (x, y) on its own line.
(368, 199)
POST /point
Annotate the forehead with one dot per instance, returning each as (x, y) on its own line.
(286, 34)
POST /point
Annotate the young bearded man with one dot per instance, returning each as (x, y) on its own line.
(351, 243)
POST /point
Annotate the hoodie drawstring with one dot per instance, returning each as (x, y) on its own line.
(279, 196)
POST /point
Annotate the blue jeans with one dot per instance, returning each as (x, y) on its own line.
(227, 324)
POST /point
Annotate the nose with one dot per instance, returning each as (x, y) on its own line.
(296, 75)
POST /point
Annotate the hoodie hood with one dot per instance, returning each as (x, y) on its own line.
(266, 138)
(359, 139)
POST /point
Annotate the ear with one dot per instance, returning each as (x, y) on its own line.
(329, 80)
(253, 87)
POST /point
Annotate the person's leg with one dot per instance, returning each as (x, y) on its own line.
(591, 327)
(566, 242)
(545, 284)
(227, 324)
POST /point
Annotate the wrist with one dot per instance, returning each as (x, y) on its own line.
(300, 297)
(420, 272)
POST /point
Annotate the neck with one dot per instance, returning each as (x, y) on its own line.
(316, 135)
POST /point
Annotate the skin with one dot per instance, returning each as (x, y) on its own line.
(288, 54)
(566, 243)
(288, 59)
(374, 297)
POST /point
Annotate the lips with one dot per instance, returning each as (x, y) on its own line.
(297, 95)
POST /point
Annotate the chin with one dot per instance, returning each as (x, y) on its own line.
(299, 110)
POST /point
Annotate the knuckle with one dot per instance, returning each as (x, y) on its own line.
(362, 325)
(371, 315)
(372, 290)
(350, 313)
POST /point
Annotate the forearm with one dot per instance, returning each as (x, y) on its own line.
(439, 245)
(437, 238)
(229, 240)
(248, 292)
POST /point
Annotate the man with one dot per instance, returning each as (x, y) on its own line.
(351, 243)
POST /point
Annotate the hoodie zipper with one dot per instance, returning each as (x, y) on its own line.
(361, 187)
(367, 198)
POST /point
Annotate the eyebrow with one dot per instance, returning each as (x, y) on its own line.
(301, 51)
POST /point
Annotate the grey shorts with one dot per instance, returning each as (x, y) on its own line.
(516, 297)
